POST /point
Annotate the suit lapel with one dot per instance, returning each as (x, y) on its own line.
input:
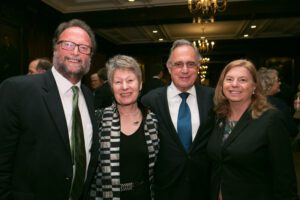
(238, 129)
(203, 110)
(168, 120)
(89, 104)
(55, 108)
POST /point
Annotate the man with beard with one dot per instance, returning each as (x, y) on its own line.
(47, 126)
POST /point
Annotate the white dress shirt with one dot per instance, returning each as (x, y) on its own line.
(174, 101)
(66, 95)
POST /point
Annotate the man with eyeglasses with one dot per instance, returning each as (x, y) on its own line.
(47, 127)
(184, 112)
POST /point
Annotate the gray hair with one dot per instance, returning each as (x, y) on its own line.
(74, 23)
(122, 62)
(183, 42)
(267, 78)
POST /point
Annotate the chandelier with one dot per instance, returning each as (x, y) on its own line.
(204, 10)
(203, 69)
(203, 44)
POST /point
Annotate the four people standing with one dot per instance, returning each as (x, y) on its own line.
(50, 147)
(249, 146)
(128, 138)
(182, 170)
(38, 145)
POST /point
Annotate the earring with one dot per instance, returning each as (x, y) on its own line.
(253, 92)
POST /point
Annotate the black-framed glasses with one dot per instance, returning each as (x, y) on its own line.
(70, 46)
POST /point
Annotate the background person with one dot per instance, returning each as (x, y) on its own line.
(103, 95)
(37, 150)
(154, 82)
(128, 138)
(95, 82)
(39, 66)
(270, 83)
(182, 170)
(249, 146)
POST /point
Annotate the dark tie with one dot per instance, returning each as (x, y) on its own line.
(184, 124)
(77, 148)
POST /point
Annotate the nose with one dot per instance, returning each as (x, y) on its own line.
(124, 85)
(235, 82)
(76, 50)
(184, 69)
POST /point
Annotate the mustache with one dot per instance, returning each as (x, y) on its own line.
(77, 58)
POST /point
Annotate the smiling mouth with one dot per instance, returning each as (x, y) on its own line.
(125, 94)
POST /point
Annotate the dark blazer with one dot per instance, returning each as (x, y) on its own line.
(255, 162)
(35, 158)
(151, 84)
(179, 175)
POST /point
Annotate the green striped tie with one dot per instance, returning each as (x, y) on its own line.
(77, 148)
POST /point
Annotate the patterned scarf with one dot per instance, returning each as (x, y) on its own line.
(106, 183)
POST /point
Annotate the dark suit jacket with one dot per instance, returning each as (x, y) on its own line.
(255, 162)
(151, 84)
(35, 158)
(179, 175)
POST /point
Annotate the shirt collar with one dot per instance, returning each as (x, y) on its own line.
(175, 92)
(63, 84)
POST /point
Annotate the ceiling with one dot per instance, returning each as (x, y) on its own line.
(121, 22)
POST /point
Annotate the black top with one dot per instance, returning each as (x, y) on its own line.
(134, 164)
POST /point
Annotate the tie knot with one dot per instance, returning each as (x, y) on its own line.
(75, 90)
(184, 95)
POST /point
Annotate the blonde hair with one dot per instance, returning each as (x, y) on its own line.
(259, 102)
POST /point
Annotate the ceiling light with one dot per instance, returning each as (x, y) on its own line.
(154, 31)
(131, 0)
(246, 35)
(253, 26)
(205, 10)
(160, 39)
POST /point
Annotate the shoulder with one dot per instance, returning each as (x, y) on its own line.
(204, 89)
(272, 117)
(153, 95)
(23, 83)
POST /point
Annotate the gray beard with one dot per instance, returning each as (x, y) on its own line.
(63, 69)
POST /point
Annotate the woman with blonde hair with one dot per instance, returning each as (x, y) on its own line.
(249, 146)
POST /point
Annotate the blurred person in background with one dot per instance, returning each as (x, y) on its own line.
(95, 82)
(103, 95)
(39, 66)
(271, 86)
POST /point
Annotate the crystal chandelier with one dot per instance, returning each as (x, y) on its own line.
(204, 10)
(203, 44)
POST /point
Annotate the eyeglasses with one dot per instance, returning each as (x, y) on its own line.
(70, 46)
(188, 64)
